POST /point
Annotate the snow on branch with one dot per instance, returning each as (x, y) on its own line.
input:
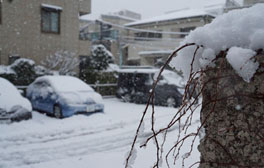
(62, 61)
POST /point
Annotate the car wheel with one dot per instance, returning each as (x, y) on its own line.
(57, 111)
(171, 102)
(127, 98)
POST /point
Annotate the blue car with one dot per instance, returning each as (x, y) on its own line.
(63, 96)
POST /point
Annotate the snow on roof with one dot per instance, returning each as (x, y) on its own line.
(236, 30)
(142, 70)
(90, 17)
(51, 6)
(187, 13)
(155, 52)
(98, 16)
(146, 71)
(118, 16)
(170, 76)
(66, 83)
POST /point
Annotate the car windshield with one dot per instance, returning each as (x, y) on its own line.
(69, 84)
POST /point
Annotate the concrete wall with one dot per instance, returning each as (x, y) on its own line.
(20, 31)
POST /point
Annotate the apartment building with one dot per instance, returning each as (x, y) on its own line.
(150, 41)
(36, 29)
(109, 30)
(246, 4)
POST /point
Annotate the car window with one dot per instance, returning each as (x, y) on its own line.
(42, 89)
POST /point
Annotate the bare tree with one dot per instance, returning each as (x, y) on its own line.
(62, 61)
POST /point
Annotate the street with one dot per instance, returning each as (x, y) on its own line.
(98, 140)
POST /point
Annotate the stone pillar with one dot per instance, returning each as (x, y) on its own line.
(233, 112)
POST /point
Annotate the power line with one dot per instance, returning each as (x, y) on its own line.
(141, 30)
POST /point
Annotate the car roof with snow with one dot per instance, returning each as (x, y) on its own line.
(10, 97)
(65, 83)
(170, 76)
(144, 70)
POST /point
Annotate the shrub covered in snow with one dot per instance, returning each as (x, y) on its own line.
(22, 72)
(97, 66)
(7, 73)
(100, 58)
(239, 32)
(99, 69)
(25, 71)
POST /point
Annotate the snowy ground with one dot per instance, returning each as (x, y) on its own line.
(99, 141)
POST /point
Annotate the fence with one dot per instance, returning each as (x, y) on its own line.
(108, 89)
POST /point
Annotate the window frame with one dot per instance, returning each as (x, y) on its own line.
(186, 30)
(50, 11)
(147, 36)
(1, 13)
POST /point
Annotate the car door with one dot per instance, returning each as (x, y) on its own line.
(47, 97)
(35, 97)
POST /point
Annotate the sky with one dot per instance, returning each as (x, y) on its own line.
(148, 8)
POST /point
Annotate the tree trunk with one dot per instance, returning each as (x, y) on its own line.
(233, 113)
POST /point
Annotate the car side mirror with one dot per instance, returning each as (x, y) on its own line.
(22, 92)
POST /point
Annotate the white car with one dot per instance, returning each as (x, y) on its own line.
(13, 106)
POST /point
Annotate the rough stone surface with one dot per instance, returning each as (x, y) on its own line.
(233, 113)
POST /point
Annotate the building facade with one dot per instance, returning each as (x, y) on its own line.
(246, 4)
(151, 41)
(36, 29)
(109, 30)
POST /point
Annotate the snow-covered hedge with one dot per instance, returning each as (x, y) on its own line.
(99, 69)
(22, 72)
(25, 71)
(239, 32)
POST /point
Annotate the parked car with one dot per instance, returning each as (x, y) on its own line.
(63, 96)
(13, 106)
(134, 85)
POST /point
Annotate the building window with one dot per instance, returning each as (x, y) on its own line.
(0, 12)
(186, 30)
(50, 20)
(147, 36)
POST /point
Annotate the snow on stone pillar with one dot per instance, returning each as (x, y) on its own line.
(234, 114)
(230, 64)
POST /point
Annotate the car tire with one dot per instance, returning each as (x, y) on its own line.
(127, 97)
(57, 111)
(171, 102)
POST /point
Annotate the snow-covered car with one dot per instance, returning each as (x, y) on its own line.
(13, 106)
(134, 85)
(63, 96)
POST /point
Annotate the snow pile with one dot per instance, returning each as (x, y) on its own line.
(239, 28)
(6, 70)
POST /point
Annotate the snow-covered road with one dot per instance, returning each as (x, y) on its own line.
(97, 141)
